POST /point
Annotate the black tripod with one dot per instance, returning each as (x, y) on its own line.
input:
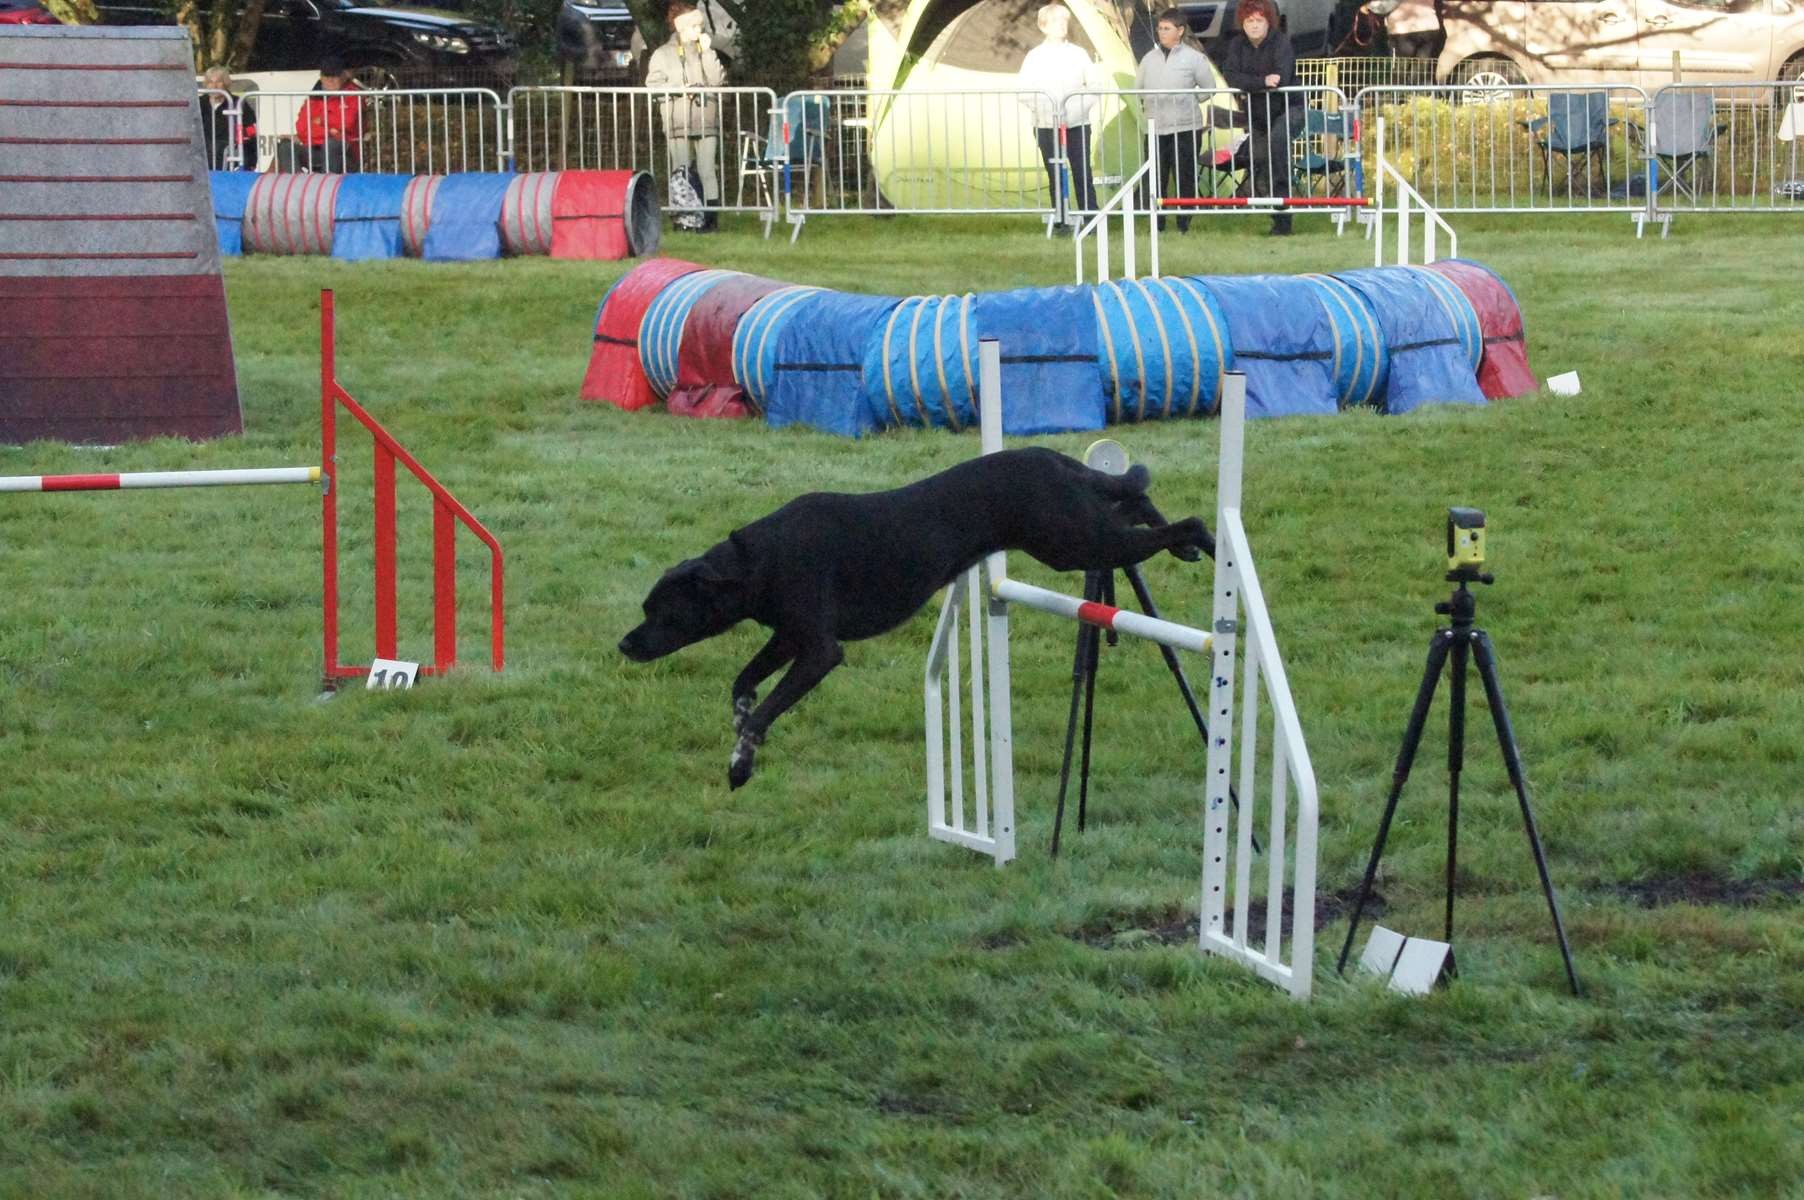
(1099, 588)
(1461, 638)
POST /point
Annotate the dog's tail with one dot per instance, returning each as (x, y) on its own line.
(1119, 487)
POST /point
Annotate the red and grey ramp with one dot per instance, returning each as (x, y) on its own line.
(109, 258)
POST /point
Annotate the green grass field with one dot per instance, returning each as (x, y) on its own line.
(510, 935)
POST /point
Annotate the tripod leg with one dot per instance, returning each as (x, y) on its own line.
(1406, 756)
(1145, 597)
(1080, 670)
(1456, 759)
(1486, 655)
(1105, 591)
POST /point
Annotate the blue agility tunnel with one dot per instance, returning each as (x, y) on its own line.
(1073, 358)
(366, 222)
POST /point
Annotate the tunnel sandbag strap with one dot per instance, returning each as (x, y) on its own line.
(466, 218)
(815, 355)
(231, 191)
(1281, 339)
(1050, 356)
(367, 223)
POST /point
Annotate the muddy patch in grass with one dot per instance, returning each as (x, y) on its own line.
(1704, 889)
(1123, 931)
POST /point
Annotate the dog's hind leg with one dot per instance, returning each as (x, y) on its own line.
(769, 659)
(812, 663)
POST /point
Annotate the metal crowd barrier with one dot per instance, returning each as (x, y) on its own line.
(419, 131)
(230, 157)
(1305, 143)
(1720, 148)
(1684, 148)
(915, 152)
(1515, 148)
(592, 128)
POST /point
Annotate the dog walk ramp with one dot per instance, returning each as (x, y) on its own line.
(1260, 817)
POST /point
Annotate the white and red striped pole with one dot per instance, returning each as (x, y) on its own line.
(157, 479)
(1104, 616)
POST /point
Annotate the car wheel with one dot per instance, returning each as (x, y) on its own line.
(1485, 80)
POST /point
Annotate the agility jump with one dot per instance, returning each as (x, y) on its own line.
(447, 513)
(1233, 769)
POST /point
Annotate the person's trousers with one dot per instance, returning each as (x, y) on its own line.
(1268, 165)
(1177, 154)
(331, 156)
(1082, 196)
(702, 152)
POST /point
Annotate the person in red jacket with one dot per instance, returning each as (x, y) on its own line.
(330, 124)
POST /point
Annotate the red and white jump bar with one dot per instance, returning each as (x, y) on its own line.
(157, 479)
(1166, 633)
(1264, 202)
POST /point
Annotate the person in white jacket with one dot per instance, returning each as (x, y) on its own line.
(1173, 65)
(692, 120)
(1056, 69)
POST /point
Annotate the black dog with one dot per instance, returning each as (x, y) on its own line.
(829, 567)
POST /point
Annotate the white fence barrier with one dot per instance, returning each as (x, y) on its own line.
(1493, 148)
(422, 131)
(724, 135)
(1255, 735)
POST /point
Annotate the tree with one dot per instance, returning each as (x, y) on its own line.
(781, 42)
(223, 31)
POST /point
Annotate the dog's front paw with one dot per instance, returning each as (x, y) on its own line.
(742, 760)
(1198, 541)
(742, 711)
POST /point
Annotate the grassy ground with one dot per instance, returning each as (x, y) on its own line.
(511, 936)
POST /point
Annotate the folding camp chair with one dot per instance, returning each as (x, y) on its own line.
(764, 159)
(1325, 155)
(1681, 137)
(1577, 129)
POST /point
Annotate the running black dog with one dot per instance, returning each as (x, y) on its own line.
(829, 567)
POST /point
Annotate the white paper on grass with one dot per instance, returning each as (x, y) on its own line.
(1564, 385)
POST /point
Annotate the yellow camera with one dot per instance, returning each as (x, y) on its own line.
(1465, 540)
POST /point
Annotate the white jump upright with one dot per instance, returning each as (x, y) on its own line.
(1236, 763)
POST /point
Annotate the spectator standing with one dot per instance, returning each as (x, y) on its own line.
(1056, 69)
(330, 125)
(1175, 65)
(228, 123)
(691, 120)
(1260, 62)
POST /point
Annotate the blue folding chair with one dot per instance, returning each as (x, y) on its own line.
(765, 159)
(1577, 130)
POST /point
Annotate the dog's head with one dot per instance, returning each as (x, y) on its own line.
(694, 600)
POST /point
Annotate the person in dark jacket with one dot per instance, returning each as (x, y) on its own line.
(228, 124)
(1260, 62)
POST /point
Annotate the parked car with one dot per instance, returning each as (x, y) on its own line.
(414, 45)
(597, 40)
(1621, 41)
(24, 12)
(1212, 22)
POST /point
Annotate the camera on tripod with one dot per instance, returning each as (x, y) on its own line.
(1466, 546)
